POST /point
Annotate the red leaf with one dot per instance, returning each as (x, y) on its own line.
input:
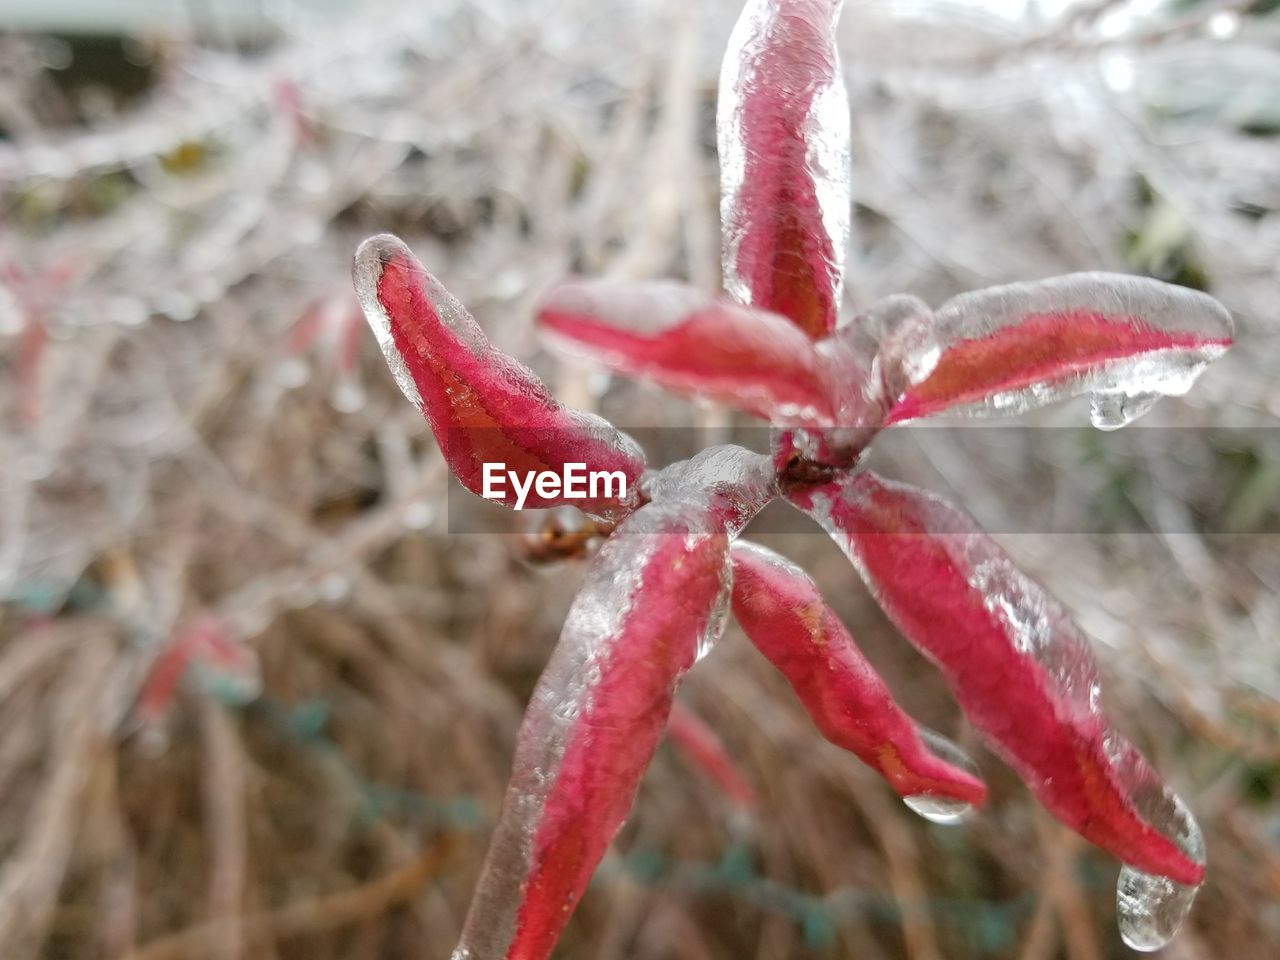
(1126, 340)
(203, 640)
(780, 610)
(705, 751)
(482, 405)
(593, 724)
(1019, 667)
(693, 343)
(783, 136)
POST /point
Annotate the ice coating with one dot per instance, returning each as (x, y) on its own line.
(782, 129)
(1151, 907)
(721, 489)
(858, 399)
(718, 618)
(852, 356)
(838, 448)
(783, 615)
(1020, 668)
(1111, 411)
(1003, 350)
(705, 751)
(596, 717)
(482, 405)
(693, 343)
(906, 348)
(725, 485)
(938, 809)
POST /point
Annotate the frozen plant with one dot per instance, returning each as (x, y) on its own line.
(661, 587)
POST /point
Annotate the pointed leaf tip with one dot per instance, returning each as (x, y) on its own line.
(593, 724)
(1020, 668)
(483, 406)
(1003, 350)
(780, 610)
(783, 134)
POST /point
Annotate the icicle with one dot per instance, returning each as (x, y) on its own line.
(1111, 411)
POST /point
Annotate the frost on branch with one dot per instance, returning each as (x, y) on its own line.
(693, 343)
(781, 612)
(482, 405)
(1126, 341)
(1019, 667)
(593, 724)
(782, 125)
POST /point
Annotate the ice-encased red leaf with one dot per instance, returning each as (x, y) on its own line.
(1021, 670)
(1125, 340)
(700, 745)
(782, 126)
(595, 720)
(482, 405)
(781, 612)
(693, 343)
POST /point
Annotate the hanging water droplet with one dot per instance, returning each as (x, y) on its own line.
(941, 810)
(1111, 411)
(1150, 909)
(937, 809)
